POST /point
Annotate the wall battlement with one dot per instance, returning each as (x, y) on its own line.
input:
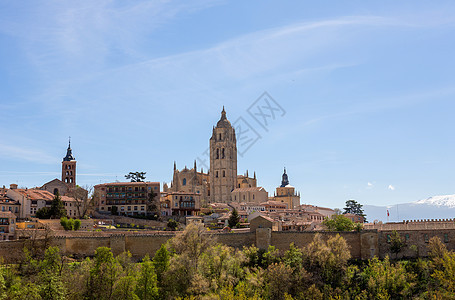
(363, 245)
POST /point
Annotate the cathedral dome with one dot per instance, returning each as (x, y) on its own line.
(223, 122)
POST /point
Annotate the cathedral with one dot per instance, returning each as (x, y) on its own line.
(222, 184)
(217, 184)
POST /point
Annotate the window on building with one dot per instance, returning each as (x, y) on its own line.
(222, 153)
(406, 237)
(184, 181)
(388, 238)
(224, 173)
(216, 174)
(426, 238)
(446, 237)
(217, 153)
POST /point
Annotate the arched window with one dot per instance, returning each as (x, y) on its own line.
(55, 191)
(222, 153)
(217, 153)
(184, 181)
(224, 173)
(220, 136)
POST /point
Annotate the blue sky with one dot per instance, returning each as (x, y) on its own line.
(367, 89)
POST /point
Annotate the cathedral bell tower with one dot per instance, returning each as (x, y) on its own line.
(223, 161)
(69, 168)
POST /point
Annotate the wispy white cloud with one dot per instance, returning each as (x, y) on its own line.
(370, 185)
(23, 153)
(391, 187)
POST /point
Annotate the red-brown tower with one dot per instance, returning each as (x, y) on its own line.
(69, 168)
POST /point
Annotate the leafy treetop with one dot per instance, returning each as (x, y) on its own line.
(353, 207)
(136, 176)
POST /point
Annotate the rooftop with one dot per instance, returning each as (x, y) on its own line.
(128, 183)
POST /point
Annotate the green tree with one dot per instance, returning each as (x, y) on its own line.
(234, 219)
(396, 243)
(2, 287)
(187, 247)
(68, 224)
(293, 257)
(445, 275)
(172, 224)
(161, 262)
(339, 223)
(50, 283)
(153, 205)
(353, 207)
(221, 266)
(279, 277)
(51, 286)
(77, 224)
(43, 213)
(103, 275)
(327, 261)
(136, 176)
(57, 209)
(387, 281)
(125, 288)
(146, 287)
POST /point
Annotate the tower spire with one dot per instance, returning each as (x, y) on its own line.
(69, 153)
(284, 179)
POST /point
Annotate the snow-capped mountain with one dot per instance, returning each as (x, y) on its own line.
(447, 200)
(436, 207)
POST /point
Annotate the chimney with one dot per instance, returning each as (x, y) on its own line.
(13, 186)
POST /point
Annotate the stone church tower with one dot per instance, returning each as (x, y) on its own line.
(223, 161)
(69, 168)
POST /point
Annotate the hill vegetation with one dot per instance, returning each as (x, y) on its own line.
(192, 265)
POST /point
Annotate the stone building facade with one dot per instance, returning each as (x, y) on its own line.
(286, 193)
(189, 181)
(255, 195)
(128, 198)
(223, 161)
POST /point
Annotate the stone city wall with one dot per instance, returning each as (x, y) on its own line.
(364, 244)
(418, 238)
(435, 224)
